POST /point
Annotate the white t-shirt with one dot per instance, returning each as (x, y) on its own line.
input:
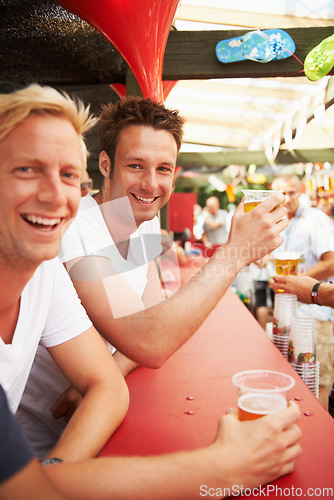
(41, 428)
(50, 314)
(88, 235)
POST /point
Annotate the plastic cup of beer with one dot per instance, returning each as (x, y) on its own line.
(253, 197)
(261, 392)
(286, 263)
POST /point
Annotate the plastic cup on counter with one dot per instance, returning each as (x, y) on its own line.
(261, 392)
(302, 340)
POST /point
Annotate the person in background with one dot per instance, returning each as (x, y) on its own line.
(175, 246)
(198, 222)
(215, 224)
(309, 291)
(310, 233)
(263, 294)
(86, 184)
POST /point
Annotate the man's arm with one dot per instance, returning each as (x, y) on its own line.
(301, 286)
(30, 483)
(218, 221)
(21, 476)
(213, 223)
(245, 454)
(323, 269)
(150, 336)
(87, 364)
(67, 402)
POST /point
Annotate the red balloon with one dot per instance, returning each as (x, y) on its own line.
(138, 29)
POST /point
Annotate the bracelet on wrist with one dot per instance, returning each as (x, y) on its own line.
(314, 293)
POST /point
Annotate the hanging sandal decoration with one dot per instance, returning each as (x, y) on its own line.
(259, 46)
(320, 60)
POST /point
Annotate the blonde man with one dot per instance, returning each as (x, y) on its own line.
(41, 161)
(40, 172)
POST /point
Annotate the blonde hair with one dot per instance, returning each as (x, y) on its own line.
(37, 99)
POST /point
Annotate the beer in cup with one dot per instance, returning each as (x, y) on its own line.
(261, 392)
(286, 263)
(253, 197)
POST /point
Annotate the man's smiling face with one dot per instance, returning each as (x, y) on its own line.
(40, 168)
(144, 168)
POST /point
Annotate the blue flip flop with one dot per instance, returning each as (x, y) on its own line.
(259, 46)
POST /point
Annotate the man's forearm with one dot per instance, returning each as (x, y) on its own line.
(244, 453)
(323, 269)
(97, 417)
(302, 286)
(178, 476)
(160, 330)
(320, 271)
(213, 224)
(150, 336)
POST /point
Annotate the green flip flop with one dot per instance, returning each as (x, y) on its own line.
(320, 60)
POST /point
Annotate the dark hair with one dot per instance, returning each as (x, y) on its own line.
(114, 117)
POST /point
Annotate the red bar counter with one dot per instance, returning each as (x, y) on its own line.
(178, 406)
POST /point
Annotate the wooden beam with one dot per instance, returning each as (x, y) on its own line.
(89, 59)
(244, 157)
(191, 55)
(229, 17)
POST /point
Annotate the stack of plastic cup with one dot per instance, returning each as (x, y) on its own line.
(302, 352)
(284, 310)
(302, 340)
(310, 375)
(269, 330)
